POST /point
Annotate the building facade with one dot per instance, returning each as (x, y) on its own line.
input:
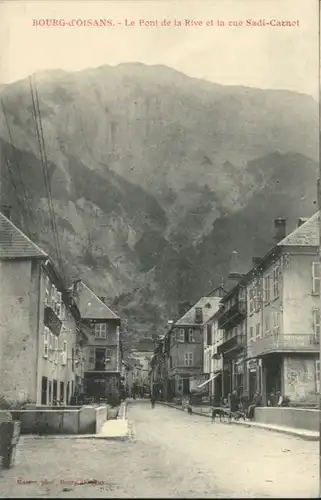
(186, 348)
(103, 350)
(213, 360)
(284, 315)
(232, 321)
(40, 331)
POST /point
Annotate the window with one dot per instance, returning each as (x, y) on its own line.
(108, 356)
(317, 375)
(73, 360)
(316, 278)
(63, 312)
(45, 349)
(56, 350)
(53, 293)
(251, 332)
(181, 335)
(251, 300)
(267, 324)
(47, 296)
(191, 335)
(209, 334)
(174, 335)
(188, 359)
(65, 346)
(276, 322)
(257, 299)
(92, 356)
(316, 322)
(257, 331)
(58, 305)
(50, 345)
(100, 330)
(266, 289)
(276, 277)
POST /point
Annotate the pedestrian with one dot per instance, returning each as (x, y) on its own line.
(272, 399)
(256, 402)
(233, 402)
(152, 400)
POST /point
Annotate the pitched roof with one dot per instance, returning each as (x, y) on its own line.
(90, 306)
(189, 317)
(305, 235)
(14, 244)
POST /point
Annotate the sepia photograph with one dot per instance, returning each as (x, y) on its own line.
(160, 279)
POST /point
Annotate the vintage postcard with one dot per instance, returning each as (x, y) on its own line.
(159, 248)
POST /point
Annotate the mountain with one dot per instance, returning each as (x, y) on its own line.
(157, 178)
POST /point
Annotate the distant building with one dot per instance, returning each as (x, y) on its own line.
(284, 315)
(142, 355)
(185, 347)
(41, 335)
(103, 351)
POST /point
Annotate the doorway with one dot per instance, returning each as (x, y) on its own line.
(100, 359)
(44, 387)
(186, 389)
(55, 387)
(62, 392)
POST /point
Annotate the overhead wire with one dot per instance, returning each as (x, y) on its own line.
(24, 206)
(44, 163)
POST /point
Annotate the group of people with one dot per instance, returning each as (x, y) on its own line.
(236, 404)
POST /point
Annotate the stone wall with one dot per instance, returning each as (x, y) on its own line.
(299, 418)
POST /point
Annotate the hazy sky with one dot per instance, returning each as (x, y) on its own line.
(264, 57)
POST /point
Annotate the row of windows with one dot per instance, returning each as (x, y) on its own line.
(271, 325)
(188, 359)
(181, 335)
(271, 288)
(255, 332)
(51, 347)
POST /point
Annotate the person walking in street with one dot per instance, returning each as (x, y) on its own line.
(153, 401)
(233, 402)
(256, 402)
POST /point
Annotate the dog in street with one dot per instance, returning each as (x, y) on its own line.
(222, 413)
(226, 415)
(189, 410)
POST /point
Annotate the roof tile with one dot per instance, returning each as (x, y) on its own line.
(90, 306)
(14, 244)
(305, 235)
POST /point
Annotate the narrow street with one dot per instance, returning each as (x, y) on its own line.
(171, 454)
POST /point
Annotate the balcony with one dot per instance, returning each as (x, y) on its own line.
(284, 343)
(228, 318)
(52, 321)
(233, 344)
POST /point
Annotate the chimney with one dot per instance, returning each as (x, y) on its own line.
(302, 220)
(256, 261)
(280, 229)
(198, 315)
(6, 210)
(75, 287)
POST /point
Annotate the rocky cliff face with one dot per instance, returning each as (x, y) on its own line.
(157, 178)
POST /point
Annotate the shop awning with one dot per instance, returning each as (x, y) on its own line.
(209, 380)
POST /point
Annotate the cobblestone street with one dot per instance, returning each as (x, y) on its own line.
(171, 454)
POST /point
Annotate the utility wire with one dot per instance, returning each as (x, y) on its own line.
(44, 163)
(28, 210)
(19, 201)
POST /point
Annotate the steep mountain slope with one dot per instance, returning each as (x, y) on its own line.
(157, 177)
